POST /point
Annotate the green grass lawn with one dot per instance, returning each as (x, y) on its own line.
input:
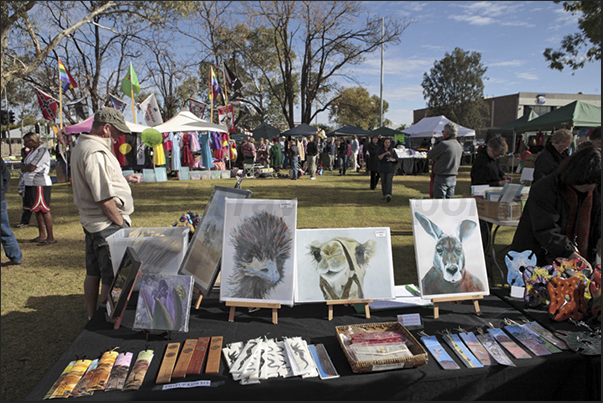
(43, 306)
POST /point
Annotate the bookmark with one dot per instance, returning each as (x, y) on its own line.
(185, 358)
(495, 350)
(194, 367)
(538, 329)
(81, 387)
(139, 370)
(455, 342)
(477, 348)
(59, 380)
(435, 348)
(71, 379)
(101, 375)
(167, 365)
(326, 369)
(508, 344)
(213, 357)
(119, 372)
(527, 340)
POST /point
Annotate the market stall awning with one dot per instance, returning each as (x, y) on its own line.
(433, 127)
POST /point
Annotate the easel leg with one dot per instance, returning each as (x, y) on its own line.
(330, 312)
(231, 314)
(436, 310)
(274, 316)
(478, 312)
(367, 311)
(198, 302)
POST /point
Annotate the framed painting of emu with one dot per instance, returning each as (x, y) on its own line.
(448, 248)
(202, 258)
(344, 264)
(258, 257)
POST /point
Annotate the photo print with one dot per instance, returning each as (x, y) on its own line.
(448, 248)
(258, 259)
(344, 264)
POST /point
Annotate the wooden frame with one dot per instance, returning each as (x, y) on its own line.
(122, 285)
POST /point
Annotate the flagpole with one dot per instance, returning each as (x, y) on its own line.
(211, 88)
(60, 105)
(133, 103)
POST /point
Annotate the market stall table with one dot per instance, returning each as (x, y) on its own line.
(562, 376)
(413, 166)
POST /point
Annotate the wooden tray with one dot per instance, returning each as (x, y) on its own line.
(418, 358)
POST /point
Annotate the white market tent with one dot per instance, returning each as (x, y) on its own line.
(185, 121)
(433, 127)
(85, 126)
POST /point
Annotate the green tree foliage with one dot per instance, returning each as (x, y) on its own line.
(583, 46)
(454, 87)
(358, 108)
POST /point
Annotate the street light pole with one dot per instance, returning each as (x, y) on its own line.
(381, 89)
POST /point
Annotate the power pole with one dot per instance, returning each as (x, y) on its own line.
(381, 90)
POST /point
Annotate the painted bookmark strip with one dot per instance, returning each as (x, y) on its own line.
(119, 373)
(477, 348)
(59, 380)
(508, 344)
(101, 375)
(528, 341)
(455, 342)
(326, 369)
(66, 386)
(82, 386)
(495, 350)
(442, 357)
(538, 329)
(139, 370)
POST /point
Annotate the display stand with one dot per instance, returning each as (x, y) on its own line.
(367, 311)
(234, 304)
(474, 298)
(198, 291)
(118, 320)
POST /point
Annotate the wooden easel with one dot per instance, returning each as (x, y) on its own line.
(117, 323)
(198, 291)
(234, 304)
(474, 298)
(367, 311)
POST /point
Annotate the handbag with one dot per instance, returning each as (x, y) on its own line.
(567, 298)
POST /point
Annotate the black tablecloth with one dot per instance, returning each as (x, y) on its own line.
(413, 166)
(561, 376)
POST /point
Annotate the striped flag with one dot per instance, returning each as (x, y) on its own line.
(48, 105)
(130, 83)
(214, 89)
(65, 77)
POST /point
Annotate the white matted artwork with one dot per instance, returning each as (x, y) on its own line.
(258, 258)
(448, 248)
(344, 264)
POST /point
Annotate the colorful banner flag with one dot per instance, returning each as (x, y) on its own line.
(48, 105)
(232, 81)
(130, 83)
(197, 108)
(152, 114)
(214, 89)
(226, 117)
(65, 77)
(118, 104)
(78, 110)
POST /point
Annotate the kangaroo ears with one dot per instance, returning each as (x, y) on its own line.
(465, 229)
(430, 227)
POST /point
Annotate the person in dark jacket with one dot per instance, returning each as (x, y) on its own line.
(294, 158)
(342, 156)
(562, 216)
(388, 163)
(485, 169)
(555, 151)
(372, 161)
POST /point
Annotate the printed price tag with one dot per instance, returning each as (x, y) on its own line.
(286, 204)
(186, 385)
(410, 320)
(380, 233)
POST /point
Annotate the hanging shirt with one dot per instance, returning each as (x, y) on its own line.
(187, 155)
(195, 146)
(206, 157)
(175, 140)
(167, 142)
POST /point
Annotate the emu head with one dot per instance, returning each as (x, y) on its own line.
(449, 255)
(262, 244)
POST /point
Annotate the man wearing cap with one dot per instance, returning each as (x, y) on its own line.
(447, 156)
(103, 197)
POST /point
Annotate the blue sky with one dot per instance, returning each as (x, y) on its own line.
(511, 37)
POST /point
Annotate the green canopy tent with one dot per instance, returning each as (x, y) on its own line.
(303, 129)
(387, 132)
(575, 114)
(349, 130)
(509, 133)
(265, 131)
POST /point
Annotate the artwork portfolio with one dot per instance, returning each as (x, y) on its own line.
(202, 259)
(164, 302)
(344, 264)
(120, 290)
(448, 248)
(259, 251)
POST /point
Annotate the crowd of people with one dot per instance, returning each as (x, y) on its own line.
(561, 218)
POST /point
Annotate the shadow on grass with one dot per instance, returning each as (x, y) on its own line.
(32, 341)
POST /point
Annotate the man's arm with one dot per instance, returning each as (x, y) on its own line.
(110, 209)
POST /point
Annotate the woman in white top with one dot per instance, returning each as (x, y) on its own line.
(35, 170)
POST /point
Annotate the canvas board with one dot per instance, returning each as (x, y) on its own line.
(202, 259)
(164, 302)
(344, 264)
(258, 257)
(121, 288)
(448, 248)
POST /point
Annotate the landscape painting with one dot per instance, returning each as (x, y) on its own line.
(202, 259)
(448, 248)
(258, 259)
(344, 264)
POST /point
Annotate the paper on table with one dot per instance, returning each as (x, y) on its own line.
(509, 192)
(404, 298)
